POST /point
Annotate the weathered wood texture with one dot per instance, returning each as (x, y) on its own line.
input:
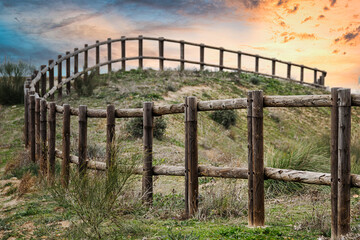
(82, 139)
(26, 114)
(65, 163)
(59, 77)
(182, 55)
(110, 135)
(43, 81)
(344, 161)
(43, 137)
(191, 151)
(239, 62)
(123, 53)
(334, 162)
(221, 60)
(51, 142)
(86, 58)
(257, 64)
(258, 158)
(141, 61)
(68, 86)
(161, 54)
(37, 128)
(148, 129)
(51, 78)
(250, 161)
(32, 128)
(202, 57)
(97, 57)
(109, 54)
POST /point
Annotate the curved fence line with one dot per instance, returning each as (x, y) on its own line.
(318, 81)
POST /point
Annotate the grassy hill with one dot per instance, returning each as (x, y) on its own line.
(294, 138)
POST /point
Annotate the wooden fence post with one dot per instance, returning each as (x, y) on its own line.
(250, 161)
(86, 57)
(37, 128)
(123, 53)
(97, 57)
(161, 54)
(43, 136)
(43, 81)
(26, 113)
(68, 86)
(51, 78)
(182, 55)
(334, 162)
(51, 142)
(315, 76)
(192, 151)
(109, 54)
(344, 164)
(221, 59)
(239, 61)
(257, 64)
(186, 162)
(258, 158)
(59, 79)
(76, 61)
(141, 52)
(32, 128)
(110, 135)
(323, 78)
(288, 71)
(273, 67)
(148, 127)
(82, 139)
(37, 85)
(65, 164)
(202, 57)
(302, 73)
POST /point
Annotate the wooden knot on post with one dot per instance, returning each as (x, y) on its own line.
(148, 126)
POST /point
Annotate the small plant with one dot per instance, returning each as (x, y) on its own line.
(84, 86)
(20, 166)
(135, 127)
(226, 118)
(12, 78)
(255, 80)
(27, 182)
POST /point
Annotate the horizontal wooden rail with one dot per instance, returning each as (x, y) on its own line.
(287, 175)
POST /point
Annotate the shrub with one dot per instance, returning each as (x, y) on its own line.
(85, 86)
(95, 199)
(19, 166)
(255, 80)
(12, 78)
(135, 127)
(226, 118)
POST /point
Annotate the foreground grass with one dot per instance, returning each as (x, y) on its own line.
(300, 212)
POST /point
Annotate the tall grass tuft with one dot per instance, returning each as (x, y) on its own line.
(305, 156)
(12, 78)
(95, 199)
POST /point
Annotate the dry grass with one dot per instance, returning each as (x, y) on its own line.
(26, 185)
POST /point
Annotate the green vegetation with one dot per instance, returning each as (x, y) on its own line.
(12, 78)
(226, 118)
(294, 138)
(135, 127)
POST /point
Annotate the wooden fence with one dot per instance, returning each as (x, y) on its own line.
(40, 132)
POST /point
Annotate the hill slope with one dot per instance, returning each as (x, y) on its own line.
(296, 138)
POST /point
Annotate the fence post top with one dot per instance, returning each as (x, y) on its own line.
(122, 37)
(67, 52)
(59, 56)
(161, 38)
(75, 49)
(97, 41)
(86, 45)
(344, 97)
(140, 36)
(43, 66)
(239, 52)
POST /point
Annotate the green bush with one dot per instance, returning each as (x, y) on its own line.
(135, 127)
(85, 86)
(255, 80)
(226, 118)
(12, 78)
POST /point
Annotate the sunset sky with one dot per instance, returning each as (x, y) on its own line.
(322, 34)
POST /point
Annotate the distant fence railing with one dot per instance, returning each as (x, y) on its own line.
(40, 131)
(40, 76)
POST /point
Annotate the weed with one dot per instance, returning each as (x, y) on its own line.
(135, 127)
(27, 182)
(19, 166)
